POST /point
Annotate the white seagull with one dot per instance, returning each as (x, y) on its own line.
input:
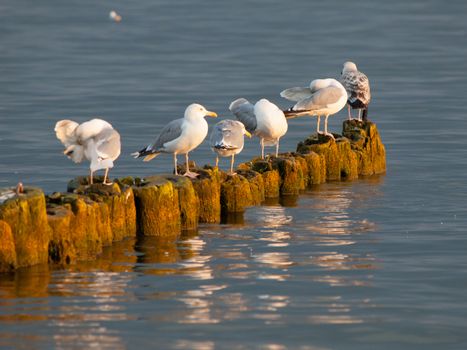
(324, 97)
(180, 136)
(358, 88)
(264, 120)
(227, 140)
(96, 140)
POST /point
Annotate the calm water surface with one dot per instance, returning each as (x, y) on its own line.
(375, 263)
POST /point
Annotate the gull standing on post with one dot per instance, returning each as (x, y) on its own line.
(358, 88)
(324, 97)
(227, 140)
(96, 140)
(180, 136)
(264, 120)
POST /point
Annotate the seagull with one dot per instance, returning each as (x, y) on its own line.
(180, 136)
(358, 88)
(227, 140)
(324, 97)
(264, 119)
(113, 15)
(95, 140)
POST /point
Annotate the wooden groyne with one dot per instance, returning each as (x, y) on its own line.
(75, 225)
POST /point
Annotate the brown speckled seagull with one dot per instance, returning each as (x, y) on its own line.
(358, 88)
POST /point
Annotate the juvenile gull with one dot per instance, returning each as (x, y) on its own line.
(94, 140)
(324, 97)
(180, 136)
(358, 88)
(227, 140)
(264, 120)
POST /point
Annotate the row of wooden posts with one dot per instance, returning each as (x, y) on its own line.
(75, 225)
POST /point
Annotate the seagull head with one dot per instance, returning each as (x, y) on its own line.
(349, 67)
(196, 111)
(244, 131)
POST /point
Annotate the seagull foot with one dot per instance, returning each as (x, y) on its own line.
(232, 174)
(191, 175)
(108, 183)
(330, 135)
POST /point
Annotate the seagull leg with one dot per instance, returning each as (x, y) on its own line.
(261, 142)
(359, 115)
(317, 125)
(188, 173)
(350, 114)
(277, 148)
(175, 163)
(106, 174)
(217, 161)
(326, 128)
(90, 177)
(232, 160)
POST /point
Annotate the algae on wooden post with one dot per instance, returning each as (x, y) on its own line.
(256, 182)
(291, 174)
(118, 214)
(271, 177)
(84, 227)
(316, 167)
(7, 248)
(348, 160)
(26, 215)
(367, 143)
(208, 189)
(187, 199)
(157, 208)
(61, 246)
(235, 194)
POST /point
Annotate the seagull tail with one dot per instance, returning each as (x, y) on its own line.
(290, 113)
(147, 153)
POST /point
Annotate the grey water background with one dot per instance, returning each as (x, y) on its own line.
(374, 263)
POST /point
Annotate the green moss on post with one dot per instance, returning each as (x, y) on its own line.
(157, 208)
(235, 194)
(208, 190)
(7, 248)
(26, 215)
(187, 199)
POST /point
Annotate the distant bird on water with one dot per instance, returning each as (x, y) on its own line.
(264, 119)
(227, 140)
(358, 88)
(180, 136)
(95, 140)
(324, 97)
(113, 15)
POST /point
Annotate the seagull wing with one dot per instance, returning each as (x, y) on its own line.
(108, 144)
(296, 94)
(323, 98)
(244, 111)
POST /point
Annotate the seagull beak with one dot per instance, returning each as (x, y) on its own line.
(211, 114)
(247, 133)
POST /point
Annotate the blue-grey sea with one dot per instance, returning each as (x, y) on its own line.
(377, 263)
